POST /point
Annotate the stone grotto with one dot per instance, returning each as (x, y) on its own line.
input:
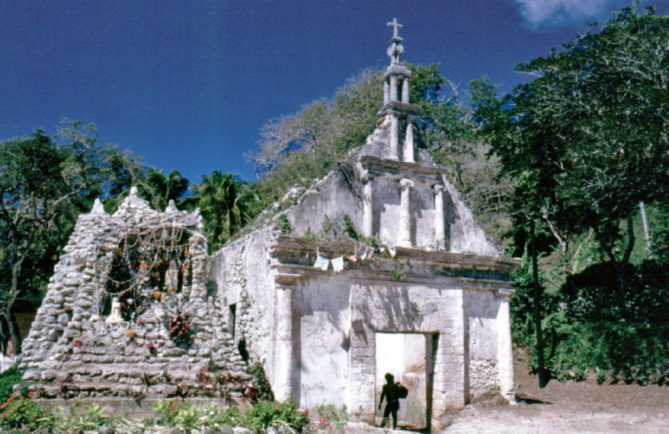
(378, 267)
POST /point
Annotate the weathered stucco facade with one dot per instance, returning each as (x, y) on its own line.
(433, 274)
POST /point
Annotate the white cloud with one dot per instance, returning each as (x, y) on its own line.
(549, 13)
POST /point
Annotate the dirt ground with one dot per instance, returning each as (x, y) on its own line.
(583, 407)
(569, 407)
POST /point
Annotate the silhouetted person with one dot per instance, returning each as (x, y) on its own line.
(392, 392)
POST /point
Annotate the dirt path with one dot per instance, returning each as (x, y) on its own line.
(583, 407)
(561, 417)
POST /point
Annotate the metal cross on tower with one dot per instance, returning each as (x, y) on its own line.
(395, 25)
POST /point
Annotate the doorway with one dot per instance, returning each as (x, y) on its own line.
(409, 357)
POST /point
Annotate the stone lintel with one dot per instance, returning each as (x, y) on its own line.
(400, 109)
(405, 168)
(287, 279)
(288, 250)
(397, 69)
(359, 275)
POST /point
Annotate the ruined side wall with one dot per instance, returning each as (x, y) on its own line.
(242, 274)
(73, 352)
(322, 341)
(73, 275)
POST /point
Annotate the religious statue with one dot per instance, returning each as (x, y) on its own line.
(172, 278)
(115, 315)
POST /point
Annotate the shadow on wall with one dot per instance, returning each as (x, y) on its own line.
(389, 308)
(450, 215)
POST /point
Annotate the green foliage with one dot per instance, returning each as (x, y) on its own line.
(226, 204)
(263, 415)
(262, 390)
(586, 140)
(159, 189)
(45, 183)
(266, 414)
(23, 414)
(216, 418)
(349, 228)
(80, 417)
(399, 270)
(283, 224)
(591, 324)
(331, 418)
(178, 413)
(8, 379)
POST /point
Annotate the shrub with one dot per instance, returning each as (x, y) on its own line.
(261, 389)
(216, 418)
(8, 379)
(176, 413)
(267, 414)
(20, 413)
(329, 416)
(600, 321)
(80, 417)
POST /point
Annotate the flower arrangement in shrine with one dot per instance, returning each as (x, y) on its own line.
(149, 267)
(180, 331)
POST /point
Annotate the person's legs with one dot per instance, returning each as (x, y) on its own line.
(394, 412)
(386, 412)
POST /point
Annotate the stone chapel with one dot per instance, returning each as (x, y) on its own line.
(432, 309)
(418, 290)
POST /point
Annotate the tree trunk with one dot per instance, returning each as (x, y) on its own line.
(644, 220)
(543, 373)
(10, 327)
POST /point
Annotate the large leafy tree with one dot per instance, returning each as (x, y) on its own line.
(586, 140)
(299, 148)
(589, 135)
(44, 184)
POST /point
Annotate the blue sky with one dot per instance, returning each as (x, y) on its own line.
(188, 85)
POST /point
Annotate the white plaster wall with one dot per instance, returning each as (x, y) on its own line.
(395, 307)
(386, 210)
(323, 330)
(481, 325)
(464, 234)
(423, 215)
(331, 197)
(242, 274)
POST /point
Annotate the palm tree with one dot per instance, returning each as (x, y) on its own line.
(160, 189)
(224, 202)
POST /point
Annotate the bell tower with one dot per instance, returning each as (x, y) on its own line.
(396, 101)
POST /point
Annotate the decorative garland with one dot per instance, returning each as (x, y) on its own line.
(149, 266)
